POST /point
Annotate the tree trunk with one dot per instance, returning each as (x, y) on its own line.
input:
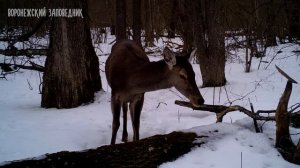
(188, 30)
(72, 68)
(173, 17)
(149, 39)
(292, 10)
(210, 42)
(121, 19)
(270, 34)
(136, 21)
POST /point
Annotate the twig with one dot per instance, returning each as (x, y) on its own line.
(161, 103)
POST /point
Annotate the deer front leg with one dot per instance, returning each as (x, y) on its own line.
(125, 133)
(135, 110)
(115, 108)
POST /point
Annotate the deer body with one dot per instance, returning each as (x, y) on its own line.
(130, 74)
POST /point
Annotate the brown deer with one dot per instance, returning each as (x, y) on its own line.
(130, 74)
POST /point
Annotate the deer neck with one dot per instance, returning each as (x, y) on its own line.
(152, 76)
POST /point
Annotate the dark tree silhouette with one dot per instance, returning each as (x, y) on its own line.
(120, 19)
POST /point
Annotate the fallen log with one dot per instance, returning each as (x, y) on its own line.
(150, 152)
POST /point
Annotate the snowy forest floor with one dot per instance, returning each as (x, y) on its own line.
(27, 130)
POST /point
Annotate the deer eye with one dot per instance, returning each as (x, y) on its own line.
(182, 74)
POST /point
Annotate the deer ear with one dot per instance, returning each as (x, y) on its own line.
(169, 57)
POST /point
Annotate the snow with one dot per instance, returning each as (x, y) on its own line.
(27, 130)
(231, 145)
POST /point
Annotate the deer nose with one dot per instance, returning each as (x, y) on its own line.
(200, 101)
(197, 101)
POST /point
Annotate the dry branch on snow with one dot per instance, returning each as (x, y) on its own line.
(221, 110)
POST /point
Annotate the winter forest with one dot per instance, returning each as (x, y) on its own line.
(150, 83)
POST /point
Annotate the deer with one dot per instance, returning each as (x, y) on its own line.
(131, 74)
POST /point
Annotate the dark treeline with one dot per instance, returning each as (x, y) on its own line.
(201, 24)
(267, 18)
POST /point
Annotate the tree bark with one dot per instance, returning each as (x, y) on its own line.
(71, 74)
(120, 19)
(149, 35)
(188, 30)
(270, 34)
(210, 42)
(292, 10)
(173, 17)
(136, 21)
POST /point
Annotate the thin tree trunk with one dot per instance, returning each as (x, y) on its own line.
(270, 34)
(173, 17)
(71, 74)
(136, 21)
(120, 19)
(188, 30)
(149, 39)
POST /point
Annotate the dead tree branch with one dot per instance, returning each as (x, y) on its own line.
(23, 52)
(221, 111)
(33, 66)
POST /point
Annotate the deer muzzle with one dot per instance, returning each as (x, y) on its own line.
(196, 101)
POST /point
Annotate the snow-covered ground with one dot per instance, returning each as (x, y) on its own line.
(27, 130)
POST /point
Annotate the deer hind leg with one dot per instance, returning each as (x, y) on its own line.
(125, 133)
(116, 109)
(136, 106)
